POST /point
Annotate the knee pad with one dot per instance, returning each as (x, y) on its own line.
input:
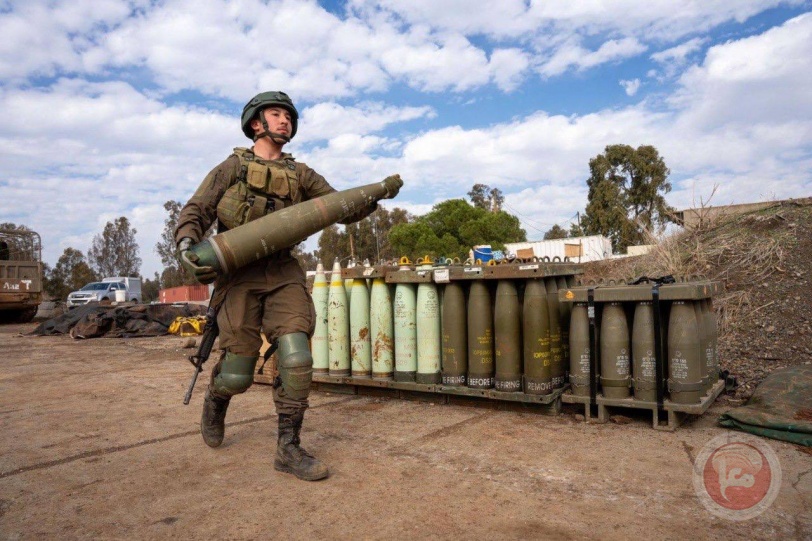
(295, 365)
(236, 374)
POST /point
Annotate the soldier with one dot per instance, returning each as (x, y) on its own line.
(269, 295)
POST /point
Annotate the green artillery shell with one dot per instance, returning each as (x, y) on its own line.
(338, 325)
(615, 351)
(455, 335)
(319, 345)
(703, 345)
(685, 384)
(564, 309)
(360, 340)
(238, 247)
(429, 341)
(713, 339)
(579, 350)
(644, 355)
(382, 330)
(405, 332)
(538, 378)
(480, 337)
(507, 343)
(556, 359)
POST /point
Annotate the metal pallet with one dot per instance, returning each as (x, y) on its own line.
(676, 413)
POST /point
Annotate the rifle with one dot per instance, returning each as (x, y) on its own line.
(210, 332)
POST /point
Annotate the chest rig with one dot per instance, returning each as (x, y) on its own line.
(261, 188)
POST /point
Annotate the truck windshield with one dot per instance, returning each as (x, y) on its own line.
(95, 286)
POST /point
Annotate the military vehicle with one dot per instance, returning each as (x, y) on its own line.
(20, 275)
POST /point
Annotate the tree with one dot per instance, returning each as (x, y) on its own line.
(115, 251)
(150, 289)
(332, 244)
(367, 239)
(626, 195)
(70, 273)
(486, 198)
(174, 273)
(307, 260)
(452, 228)
(556, 232)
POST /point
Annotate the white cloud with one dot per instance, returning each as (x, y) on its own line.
(674, 59)
(573, 55)
(679, 53)
(631, 87)
(738, 82)
(508, 67)
(328, 119)
(76, 153)
(655, 21)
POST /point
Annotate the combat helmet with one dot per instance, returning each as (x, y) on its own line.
(260, 102)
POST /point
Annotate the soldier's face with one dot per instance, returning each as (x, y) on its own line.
(278, 120)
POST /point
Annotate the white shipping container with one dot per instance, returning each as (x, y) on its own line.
(592, 248)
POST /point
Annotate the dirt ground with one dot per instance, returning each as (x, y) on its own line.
(97, 444)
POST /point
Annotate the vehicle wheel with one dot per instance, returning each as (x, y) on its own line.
(105, 302)
(26, 315)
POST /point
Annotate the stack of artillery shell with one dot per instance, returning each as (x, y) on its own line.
(627, 354)
(503, 334)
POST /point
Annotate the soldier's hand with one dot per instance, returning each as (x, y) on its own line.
(189, 259)
(393, 184)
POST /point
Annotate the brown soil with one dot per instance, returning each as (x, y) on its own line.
(97, 444)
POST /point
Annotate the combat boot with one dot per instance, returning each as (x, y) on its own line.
(290, 458)
(213, 421)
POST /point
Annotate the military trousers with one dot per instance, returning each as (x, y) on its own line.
(269, 296)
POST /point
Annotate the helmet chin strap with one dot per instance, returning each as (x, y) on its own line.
(278, 138)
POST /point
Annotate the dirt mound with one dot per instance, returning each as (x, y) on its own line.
(763, 259)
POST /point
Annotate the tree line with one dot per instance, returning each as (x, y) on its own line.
(625, 203)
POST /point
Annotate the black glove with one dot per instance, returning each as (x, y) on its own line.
(189, 259)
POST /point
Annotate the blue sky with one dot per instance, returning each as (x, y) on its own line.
(112, 107)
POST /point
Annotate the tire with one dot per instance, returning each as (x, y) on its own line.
(104, 302)
(26, 315)
(23, 315)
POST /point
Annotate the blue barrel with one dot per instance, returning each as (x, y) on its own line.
(483, 253)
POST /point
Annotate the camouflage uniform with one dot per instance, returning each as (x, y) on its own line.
(269, 295)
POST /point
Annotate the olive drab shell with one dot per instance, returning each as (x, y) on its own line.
(261, 188)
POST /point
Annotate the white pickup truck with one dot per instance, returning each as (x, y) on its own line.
(114, 288)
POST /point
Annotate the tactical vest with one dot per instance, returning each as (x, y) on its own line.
(260, 188)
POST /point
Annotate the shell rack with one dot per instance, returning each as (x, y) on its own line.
(676, 412)
(442, 274)
(546, 404)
